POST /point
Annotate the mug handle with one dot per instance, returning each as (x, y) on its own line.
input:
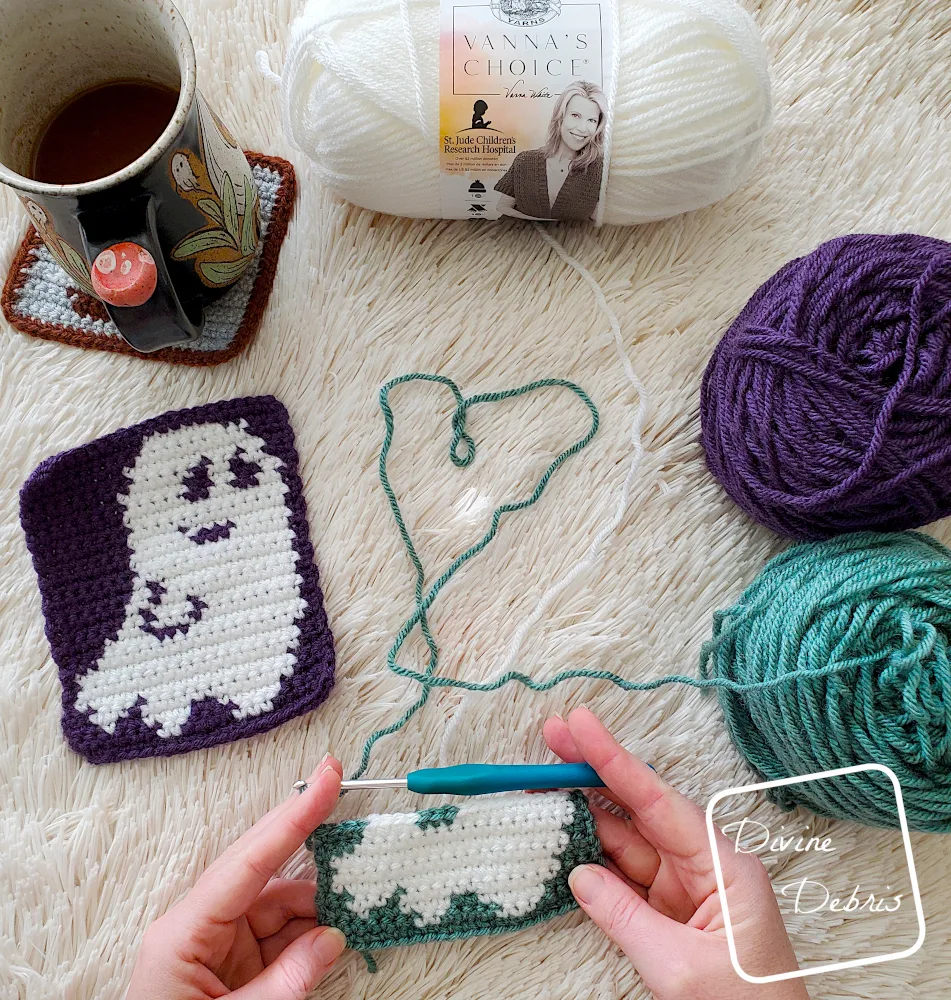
(160, 320)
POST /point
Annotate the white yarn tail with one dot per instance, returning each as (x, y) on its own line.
(595, 551)
(264, 67)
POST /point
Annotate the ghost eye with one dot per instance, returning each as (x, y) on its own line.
(197, 481)
(244, 472)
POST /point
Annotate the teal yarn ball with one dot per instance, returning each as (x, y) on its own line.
(840, 654)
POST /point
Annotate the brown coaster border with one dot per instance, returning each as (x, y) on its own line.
(250, 321)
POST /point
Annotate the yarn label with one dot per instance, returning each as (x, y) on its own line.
(525, 95)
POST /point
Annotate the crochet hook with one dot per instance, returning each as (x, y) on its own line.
(481, 779)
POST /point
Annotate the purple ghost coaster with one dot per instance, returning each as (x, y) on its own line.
(181, 598)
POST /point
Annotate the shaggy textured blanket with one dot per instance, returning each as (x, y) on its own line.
(90, 855)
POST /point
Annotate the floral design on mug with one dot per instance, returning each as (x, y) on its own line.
(219, 184)
(68, 258)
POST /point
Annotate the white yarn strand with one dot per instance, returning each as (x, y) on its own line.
(608, 529)
(264, 68)
(691, 104)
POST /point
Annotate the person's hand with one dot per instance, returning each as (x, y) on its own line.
(657, 898)
(240, 932)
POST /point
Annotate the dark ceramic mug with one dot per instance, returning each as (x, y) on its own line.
(185, 214)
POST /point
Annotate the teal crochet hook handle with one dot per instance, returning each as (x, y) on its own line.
(480, 779)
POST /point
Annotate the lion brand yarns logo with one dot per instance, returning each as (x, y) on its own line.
(525, 13)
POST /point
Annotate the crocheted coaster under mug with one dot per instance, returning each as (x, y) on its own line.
(39, 298)
(489, 866)
(181, 599)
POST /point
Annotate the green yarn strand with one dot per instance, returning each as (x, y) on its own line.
(424, 599)
(838, 653)
(428, 679)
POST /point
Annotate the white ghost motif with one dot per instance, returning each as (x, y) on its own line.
(216, 594)
(182, 173)
(69, 259)
(37, 214)
(503, 850)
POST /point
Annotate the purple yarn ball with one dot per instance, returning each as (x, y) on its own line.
(826, 407)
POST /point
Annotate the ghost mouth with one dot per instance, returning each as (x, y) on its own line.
(218, 532)
(168, 628)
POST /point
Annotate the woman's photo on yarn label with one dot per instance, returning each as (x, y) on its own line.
(828, 875)
(525, 92)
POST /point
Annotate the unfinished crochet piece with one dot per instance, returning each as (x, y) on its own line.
(181, 598)
(492, 865)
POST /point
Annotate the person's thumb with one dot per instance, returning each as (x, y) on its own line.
(648, 938)
(298, 968)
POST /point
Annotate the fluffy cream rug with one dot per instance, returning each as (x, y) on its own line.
(90, 855)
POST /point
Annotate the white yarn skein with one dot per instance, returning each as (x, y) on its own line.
(692, 105)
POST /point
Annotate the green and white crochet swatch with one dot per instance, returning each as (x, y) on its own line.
(491, 865)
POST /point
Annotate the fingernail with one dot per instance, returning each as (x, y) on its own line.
(322, 766)
(585, 881)
(328, 945)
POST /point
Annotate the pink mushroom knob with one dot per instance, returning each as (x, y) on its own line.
(124, 275)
